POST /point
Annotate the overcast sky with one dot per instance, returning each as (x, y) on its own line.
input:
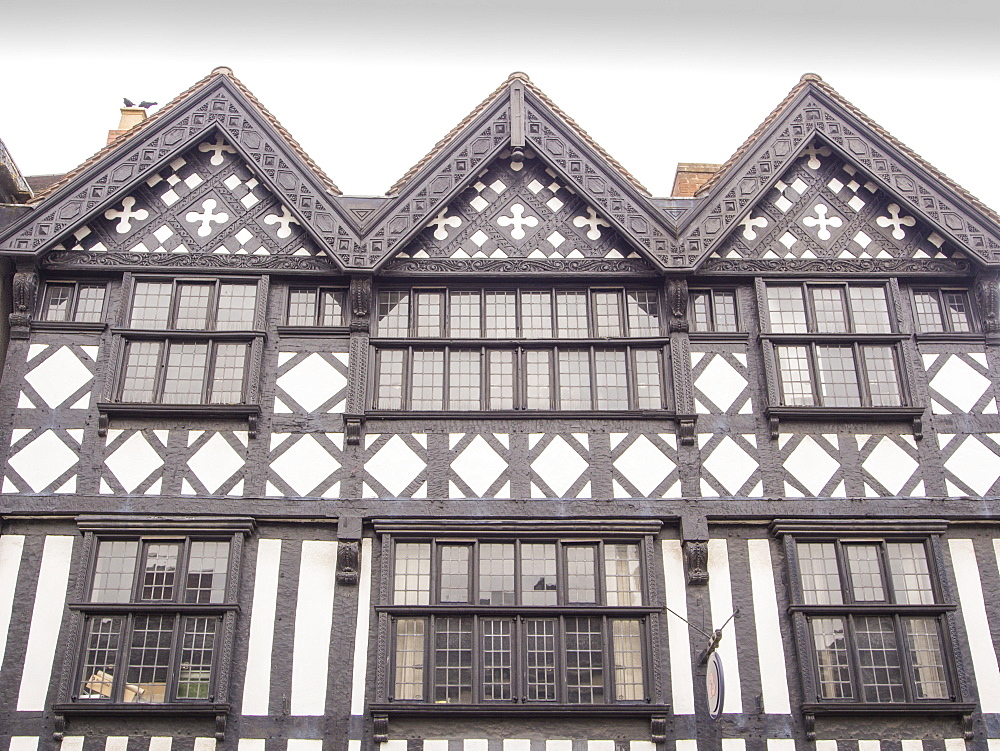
(368, 86)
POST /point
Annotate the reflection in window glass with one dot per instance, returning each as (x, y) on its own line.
(883, 382)
(622, 579)
(928, 311)
(540, 658)
(536, 315)
(430, 313)
(786, 311)
(192, 306)
(923, 642)
(237, 305)
(390, 379)
(496, 573)
(538, 379)
(879, 659)
(837, 376)
(957, 305)
(464, 379)
(58, 303)
(497, 658)
(501, 377)
(581, 574)
(574, 379)
(501, 318)
(612, 380)
(412, 573)
(208, 566)
(793, 370)
(571, 314)
(141, 363)
(185, 377)
(643, 312)
(454, 573)
(866, 573)
(830, 309)
(870, 310)
(151, 305)
(427, 388)
(149, 659)
(820, 573)
(626, 641)
(194, 677)
(453, 660)
(607, 313)
(393, 313)
(585, 660)
(911, 579)
(647, 379)
(830, 645)
(409, 678)
(227, 375)
(114, 571)
(159, 571)
(464, 315)
(538, 574)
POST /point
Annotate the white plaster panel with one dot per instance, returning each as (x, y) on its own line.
(644, 465)
(304, 744)
(730, 464)
(215, 462)
(313, 618)
(890, 465)
(75, 743)
(559, 465)
(720, 383)
(313, 382)
(770, 645)
(973, 608)
(479, 465)
(204, 744)
(975, 464)
(678, 637)
(720, 596)
(43, 461)
(23, 743)
(160, 743)
(11, 549)
(257, 680)
(960, 384)
(811, 465)
(251, 744)
(395, 465)
(304, 465)
(133, 461)
(359, 676)
(46, 617)
(116, 743)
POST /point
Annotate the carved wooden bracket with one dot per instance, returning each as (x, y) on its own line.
(658, 729)
(988, 299)
(220, 726)
(348, 561)
(810, 723)
(361, 303)
(685, 430)
(677, 299)
(380, 727)
(354, 428)
(696, 561)
(25, 292)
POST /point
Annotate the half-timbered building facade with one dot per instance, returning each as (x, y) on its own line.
(495, 462)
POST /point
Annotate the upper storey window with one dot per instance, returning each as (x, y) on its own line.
(508, 350)
(316, 306)
(834, 345)
(80, 302)
(714, 310)
(942, 310)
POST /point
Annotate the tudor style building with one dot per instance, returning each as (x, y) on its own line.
(484, 463)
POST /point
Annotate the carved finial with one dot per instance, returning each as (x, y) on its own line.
(810, 77)
(518, 76)
(222, 70)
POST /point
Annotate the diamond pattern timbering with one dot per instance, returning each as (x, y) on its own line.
(890, 465)
(823, 207)
(58, 377)
(305, 465)
(43, 460)
(219, 103)
(215, 463)
(480, 465)
(560, 465)
(814, 111)
(960, 383)
(518, 210)
(309, 382)
(729, 465)
(644, 466)
(395, 466)
(971, 464)
(721, 383)
(134, 462)
(812, 465)
(207, 200)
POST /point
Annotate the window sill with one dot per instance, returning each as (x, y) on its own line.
(520, 414)
(313, 330)
(946, 336)
(107, 410)
(718, 336)
(912, 415)
(657, 714)
(69, 326)
(217, 710)
(942, 708)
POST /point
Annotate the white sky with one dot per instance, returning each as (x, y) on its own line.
(368, 86)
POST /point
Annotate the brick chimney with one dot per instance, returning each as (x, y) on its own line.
(131, 116)
(690, 176)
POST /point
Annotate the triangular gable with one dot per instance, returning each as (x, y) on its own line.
(518, 117)
(814, 115)
(518, 209)
(164, 158)
(824, 207)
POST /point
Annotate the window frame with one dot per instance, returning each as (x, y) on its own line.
(943, 610)
(712, 327)
(947, 324)
(144, 530)
(316, 325)
(39, 319)
(562, 536)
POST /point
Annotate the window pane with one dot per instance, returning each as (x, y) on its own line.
(540, 659)
(838, 379)
(725, 311)
(390, 379)
(538, 379)
(501, 375)
(452, 660)
(140, 371)
(115, 571)
(870, 310)
(581, 574)
(412, 574)
(159, 571)
(819, 571)
(831, 313)
(928, 311)
(957, 305)
(571, 314)
(208, 567)
(90, 302)
(497, 658)
(538, 574)
(607, 313)
(793, 370)
(185, 377)
(409, 680)
(643, 312)
(100, 655)
(427, 390)
(496, 573)
(584, 660)
(227, 377)
(151, 305)
(192, 306)
(923, 640)
(878, 659)
(464, 315)
(574, 379)
(501, 319)
(237, 305)
(883, 382)
(612, 382)
(648, 392)
(622, 578)
(393, 313)
(58, 302)
(701, 318)
(430, 313)
(149, 659)
(333, 307)
(194, 676)
(786, 311)
(626, 642)
(464, 379)
(911, 580)
(865, 573)
(454, 573)
(536, 315)
(834, 676)
(301, 307)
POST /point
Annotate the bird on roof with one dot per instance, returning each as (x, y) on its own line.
(128, 102)
(146, 105)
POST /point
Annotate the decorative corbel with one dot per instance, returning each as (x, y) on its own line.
(380, 728)
(773, 424)
(988, 299)
(354, 428)
(696, 561)
(59, 727)
(25, 292)
(810, 723)
(677, 299)
(220, 726)
(685, 430)
(658, 729)
(361, 303)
